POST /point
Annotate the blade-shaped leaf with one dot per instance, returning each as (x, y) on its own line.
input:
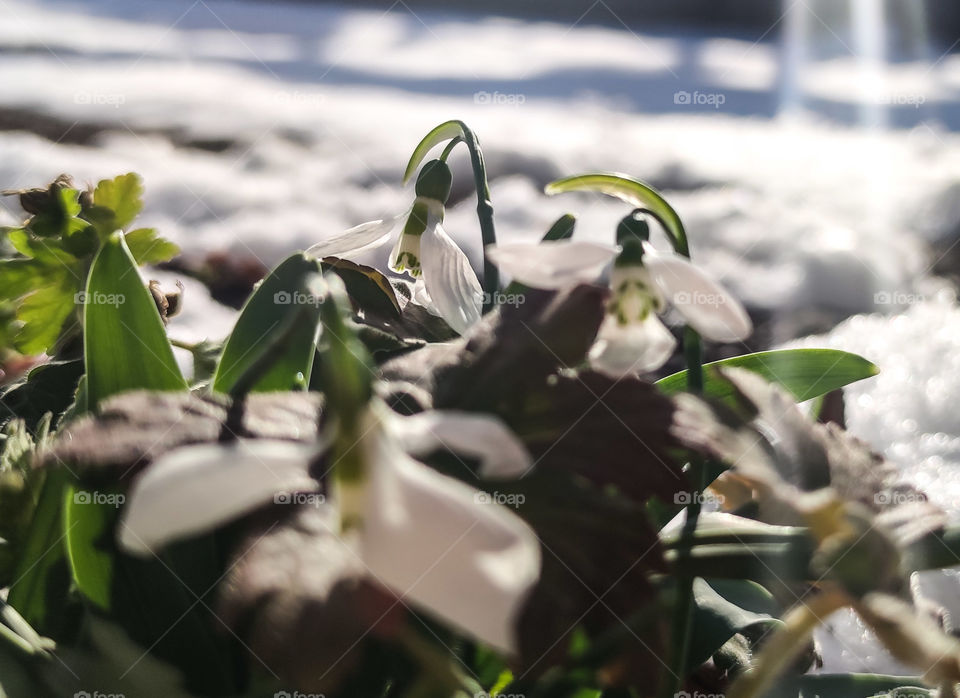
(443, 132)
(288, 290)
(804, 373)
(633, 192)
(125, 344)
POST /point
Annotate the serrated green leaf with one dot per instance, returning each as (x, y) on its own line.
(632, 191)
(18, 277)
(147, 248)
(44, 311)
(441, 133)
(125, 344)
(123, 196)
(47, 250)
(288, 290)
(805, 373)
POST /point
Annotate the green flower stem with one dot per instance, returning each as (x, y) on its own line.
(450, 146)
(491, 275)
(683, 612)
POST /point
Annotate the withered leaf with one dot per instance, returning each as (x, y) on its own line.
(507, 353)
(773, 443)
(133, 429)
(300, 599)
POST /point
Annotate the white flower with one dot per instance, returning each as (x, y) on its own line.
(425, 252)
(427, 537)
(632, 338)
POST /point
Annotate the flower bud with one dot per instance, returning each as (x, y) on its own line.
(633, 227)
(434, 181)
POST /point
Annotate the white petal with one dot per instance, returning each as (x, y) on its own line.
(449, 278)
(357, 239)
(479, 436)
(195, 489)
(421, 297)
(709, 308)
(440, 544)
(553, 264)
(624, 350)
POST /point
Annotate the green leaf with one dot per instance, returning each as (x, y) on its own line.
(89, 517)
(41, 581)
(122, 197)
(147, 248)
(47, 250)
(288, 290)
(18, 277)
(850, 686)
(125, 344)
(805, 373)
(44, 311)
(443, 132)
(725, 607)
(632, 191)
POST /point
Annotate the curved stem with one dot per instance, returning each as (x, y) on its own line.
(491, 275)
(450, 146)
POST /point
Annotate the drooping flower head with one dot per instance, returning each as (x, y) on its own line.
(445, 282)
(632, 339)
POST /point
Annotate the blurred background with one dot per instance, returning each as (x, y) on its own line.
(811, 147)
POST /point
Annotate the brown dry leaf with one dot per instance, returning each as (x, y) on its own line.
(133, 429)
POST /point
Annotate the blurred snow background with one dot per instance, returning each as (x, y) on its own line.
(816, 189)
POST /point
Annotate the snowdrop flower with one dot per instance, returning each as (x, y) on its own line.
(632, 339)
(446, 283)
(427, 537)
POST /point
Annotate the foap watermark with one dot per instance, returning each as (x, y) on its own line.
(485, 694)
(697, 694)
(97, 298)
(501, 298)
(297, 298)
(298, 98)
(902, 99)
(297, 694)
(512, 99)
(699, 298)
(113, 499)
(699, 99)
(314, 499)
(899, 298)
(109, 99)
(896, 498)
(97, 694)
(506, 499)
(687, 498)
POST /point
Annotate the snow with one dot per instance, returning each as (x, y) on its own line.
(319, 107)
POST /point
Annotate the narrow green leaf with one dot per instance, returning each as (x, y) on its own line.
(289, 289)
(89, 515)
(805, 373)
(147, 248)
(41, 580)
(725, 607)
(125, 348)
(850, 686)
(125, 344)
(633, 192)
(443, 132)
